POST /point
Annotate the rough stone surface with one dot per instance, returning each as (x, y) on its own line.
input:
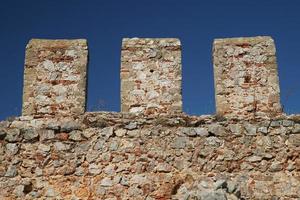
(55, 77)
(162, 157)
(151, 76)
(246, 77)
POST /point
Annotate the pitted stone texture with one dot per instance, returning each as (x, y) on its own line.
(151, 76)
(246, 78)
(55, 77)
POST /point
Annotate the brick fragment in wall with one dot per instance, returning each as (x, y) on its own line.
(151, 76)
(246, 77)
(55, 77)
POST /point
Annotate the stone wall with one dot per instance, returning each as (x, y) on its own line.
(123, 156)
(151, 76)
(151, 151)
(55, 77)
(246, 77)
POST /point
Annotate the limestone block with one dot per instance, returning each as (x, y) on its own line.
(246, 77)
(151, 76)
(55, 77)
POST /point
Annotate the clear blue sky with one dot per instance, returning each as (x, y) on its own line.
(105, 23)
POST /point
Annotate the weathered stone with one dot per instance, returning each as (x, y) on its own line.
(131, 126)
(12, 148)
(294, 139)
(59, 146)
(13, 135)
(75, 135)
(296, 129)
(163, 167)
(217, 129)
(250, 129)
(46, 134)
(11, 171)
(68, 126)
(30, 134)
(106, 182)
(202, 132)
(179, 143)
(236, 129)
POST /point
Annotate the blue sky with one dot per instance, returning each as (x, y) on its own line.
(105, 23)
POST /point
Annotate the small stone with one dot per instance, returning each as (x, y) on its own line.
(12, 148)
(79, 171)
(294, 139)
(11, 171)
(213, 141)
(131, 126)
(163, 167)
(114, 146)
(107, 132)
(75, 135)
(276, 123)
(46, 134)
(120, 132)
(231, 187)
(50, 192)
(254, 159)
(30, 134)
(188, 131)
(88, 133)
(179, 143)
(235, 129)
(288, 123)
(69, 126)
(133, 133)
(44, 148)
(275, 166)
(94, 169)
(213, 195)
(220, 184)
(18, 191)
(124, 181)
(296, 129)
(53, 126)
(250, 129)
(202, 132)
(217, 129)
(263, 130)
(13, 135)
(59, 146)
(106, 182)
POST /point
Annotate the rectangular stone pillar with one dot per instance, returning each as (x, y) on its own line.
(151, 76)
(55, 77)
(246, 77)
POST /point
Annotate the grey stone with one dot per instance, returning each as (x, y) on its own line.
(213, 141)
(254, 159)
(202, 132)
(250, 129)
(99, 144)
(131, 126)
(275, 166)
(294, 139)
(288, 123)
(188, 131)
(113, 146)
(59, 146)
(179, 143)
(106, 182)
(30, 134)
(163, 167)
(53, 126)
(12, 148)
(213, 195)
(263, 130)
(94, 169)
(46, 134)
(75, 135)
(133, 133)
(11, 171)
(220, 184)
(13, 135)
(235, 129)
(107, 132)
(44, 148)
(296, 129)
(50, 192)
(18, 191)
(68, 126)
(120, 132)
(217, 129)
(231, 186)
(276, 123)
